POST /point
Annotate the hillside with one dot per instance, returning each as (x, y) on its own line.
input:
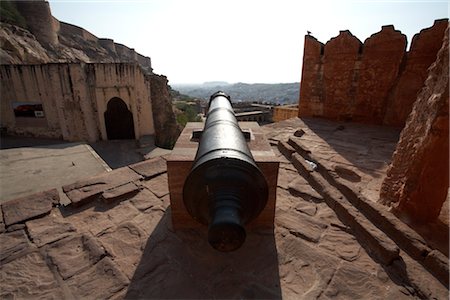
(278, 93)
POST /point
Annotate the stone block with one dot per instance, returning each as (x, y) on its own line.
(125, 244)
(120, 191)
(28, 207)
(437, 264)
(150, 168)
(74, 254)
(125, 211)
(100, 281)
(158, 185)
(14, 245)
(144, 200)
(28, 277)
(49, 228)
(84, 190)
(300, 225)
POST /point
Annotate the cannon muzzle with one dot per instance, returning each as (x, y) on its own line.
(225, 188)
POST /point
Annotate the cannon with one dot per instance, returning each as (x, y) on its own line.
(225, 189)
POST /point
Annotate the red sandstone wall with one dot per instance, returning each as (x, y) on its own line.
(374, 83)
(340, 56)
(311, 82)
(417, 181)
(424, 48)
(381, 58)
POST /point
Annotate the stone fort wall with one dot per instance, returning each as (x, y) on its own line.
(74, 98)
(376, 82)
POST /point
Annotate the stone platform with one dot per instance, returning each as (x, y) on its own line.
(115, 239)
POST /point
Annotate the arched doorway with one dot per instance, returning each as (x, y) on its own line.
(118, 120)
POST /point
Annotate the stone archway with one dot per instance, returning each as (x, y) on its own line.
(118, 120)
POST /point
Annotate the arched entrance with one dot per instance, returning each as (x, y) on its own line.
(118, 120)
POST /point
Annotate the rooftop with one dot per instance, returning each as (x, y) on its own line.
(331, 239)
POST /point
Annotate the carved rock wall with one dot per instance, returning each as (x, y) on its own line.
(166, 128)
(375, 82)
(417, 180)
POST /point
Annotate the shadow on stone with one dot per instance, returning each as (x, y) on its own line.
(183, 265)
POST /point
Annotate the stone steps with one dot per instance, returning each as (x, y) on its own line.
(387, 239)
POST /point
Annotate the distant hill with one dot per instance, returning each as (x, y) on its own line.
(277, 93)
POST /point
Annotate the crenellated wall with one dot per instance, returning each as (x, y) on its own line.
(376, 82)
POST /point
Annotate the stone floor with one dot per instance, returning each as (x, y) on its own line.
(115, 240)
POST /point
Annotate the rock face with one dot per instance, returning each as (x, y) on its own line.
(424, 48)
(417, 180)
(166, 128)
(375, 82)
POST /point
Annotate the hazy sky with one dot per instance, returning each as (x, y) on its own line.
(193, 41)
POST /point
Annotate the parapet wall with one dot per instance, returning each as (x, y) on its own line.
(376, 82)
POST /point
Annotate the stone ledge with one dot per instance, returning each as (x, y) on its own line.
(374, 241)
(150, 168)
(28, 207)
(85, 190)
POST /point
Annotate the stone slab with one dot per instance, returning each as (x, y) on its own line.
(301, 225)
(125, 244)
(84, 190)
(49, 228)
(29, 277)
(150, 168)
(74, 254)
(145, 199)
(158, 185)
(25, 208)
(120, 191)
(101, 281)
(13, 245)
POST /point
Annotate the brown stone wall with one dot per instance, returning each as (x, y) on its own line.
(418, 179)
(284, 112)
(380, 64)
(311, 83)
(424, 48)
(340, 57)
(375, 83)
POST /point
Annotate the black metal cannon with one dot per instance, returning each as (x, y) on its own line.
(225, 189)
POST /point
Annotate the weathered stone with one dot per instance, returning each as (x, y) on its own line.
(28, 277)
(13, 245)
(120, 191)
(301, 225)
(144, 200)
(49, 228)
(2, 223)
(301, 187)
(100, 281)
(285, 149)
(28, 207)
(75, 254)
(86, 189)
(379, 68)
(437, 264)
(158, 185)
(416, 184)
(150, 168)
(350, 282)
(166, 128)
(306, 208)
(125, 211)
(423, 52)
(148, 220)
(285, 177)
(340, 243)
(125, 245)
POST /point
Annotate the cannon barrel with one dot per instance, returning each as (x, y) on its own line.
(224, 189)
